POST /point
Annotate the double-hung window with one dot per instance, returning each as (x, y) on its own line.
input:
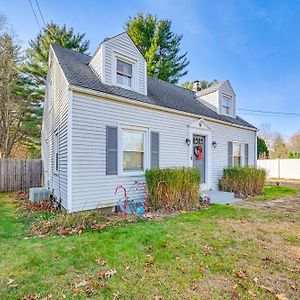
(133, 150)
(226, 103)
(237, 154)
(124, 73)
(56, 152)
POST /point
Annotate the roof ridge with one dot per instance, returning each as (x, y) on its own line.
(70, 49)
(173, 84)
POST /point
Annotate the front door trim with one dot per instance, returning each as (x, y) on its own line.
(206, 132)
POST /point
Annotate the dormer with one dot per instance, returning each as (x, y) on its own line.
(118, 62)
(220, 97)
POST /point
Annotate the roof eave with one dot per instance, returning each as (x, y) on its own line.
(83, 90)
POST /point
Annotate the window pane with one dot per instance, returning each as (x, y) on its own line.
(133, 161)
(237, 161)
(226, 110)
(237, 149)
(124, 68)
(226, 102)
(133, 140)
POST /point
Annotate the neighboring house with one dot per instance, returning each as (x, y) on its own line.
(105, 122)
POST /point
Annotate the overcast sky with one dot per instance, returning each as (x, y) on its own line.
(254, 44)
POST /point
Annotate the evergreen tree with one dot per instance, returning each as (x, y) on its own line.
(204, 84)
(37, 63)
(262, 149)
(17, 104)
(159, 45)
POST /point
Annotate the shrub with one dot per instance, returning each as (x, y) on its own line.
(243, 182)
(183, 183)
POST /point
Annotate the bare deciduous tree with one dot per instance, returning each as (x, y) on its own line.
(294, 142)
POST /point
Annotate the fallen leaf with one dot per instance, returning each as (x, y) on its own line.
(193, 286)
(82, 283)
(127, 268)
(281, 297)
(150, 261)
(100, 261)
(255, 279)
(107, 274)
(116, 295)
(251, 293)
(241, 274)
(158, 298)
(10, 281)
(31, 297)
(270, 290)
(48, 297)
(267, 260)
(235, 294)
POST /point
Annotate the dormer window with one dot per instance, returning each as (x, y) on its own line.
(124, 73)
(226, 104)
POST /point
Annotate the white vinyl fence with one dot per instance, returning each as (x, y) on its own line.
(281, 168)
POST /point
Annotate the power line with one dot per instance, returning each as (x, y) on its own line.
(270, 112)
(37, 4)
(35, 16)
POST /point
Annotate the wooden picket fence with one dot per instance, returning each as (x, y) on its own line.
(20, 174)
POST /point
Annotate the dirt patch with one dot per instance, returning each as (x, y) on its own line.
(288, 204)
(270, 266)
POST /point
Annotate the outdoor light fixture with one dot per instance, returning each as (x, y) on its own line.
(188, 141)
(214, 144)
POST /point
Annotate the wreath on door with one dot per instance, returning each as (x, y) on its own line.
(198, 152)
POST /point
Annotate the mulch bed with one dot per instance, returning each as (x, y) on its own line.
(25, 203)
(63, 223)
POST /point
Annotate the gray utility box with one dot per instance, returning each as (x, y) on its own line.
(38, 194)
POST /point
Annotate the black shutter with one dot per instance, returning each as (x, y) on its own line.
(230, 154)
(154, 146)
(111, 150)
(246, 154)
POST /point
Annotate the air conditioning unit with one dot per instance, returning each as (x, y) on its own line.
(38, 194)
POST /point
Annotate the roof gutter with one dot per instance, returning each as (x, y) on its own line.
(151, 106)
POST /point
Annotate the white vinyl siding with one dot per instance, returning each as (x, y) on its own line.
(92, 188)
(122, 46)
(55, 120)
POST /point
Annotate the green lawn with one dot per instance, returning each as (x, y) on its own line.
(272, 192)
(223, 252)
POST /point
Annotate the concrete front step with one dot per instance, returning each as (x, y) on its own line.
(219, 197)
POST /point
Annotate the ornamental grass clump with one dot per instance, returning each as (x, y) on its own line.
(183, 188)
(243, 182)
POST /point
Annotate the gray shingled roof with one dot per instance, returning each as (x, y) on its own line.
(78, 72)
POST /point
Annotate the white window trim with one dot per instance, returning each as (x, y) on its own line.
(133, 62)
(122, 127)
(242, 143)
(206, 132)
(230, 107)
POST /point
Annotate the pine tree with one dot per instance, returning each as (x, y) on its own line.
(38, 52)
(204, 84)
(159, 45)
(17, 110)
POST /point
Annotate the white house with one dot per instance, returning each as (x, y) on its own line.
(105, 122)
